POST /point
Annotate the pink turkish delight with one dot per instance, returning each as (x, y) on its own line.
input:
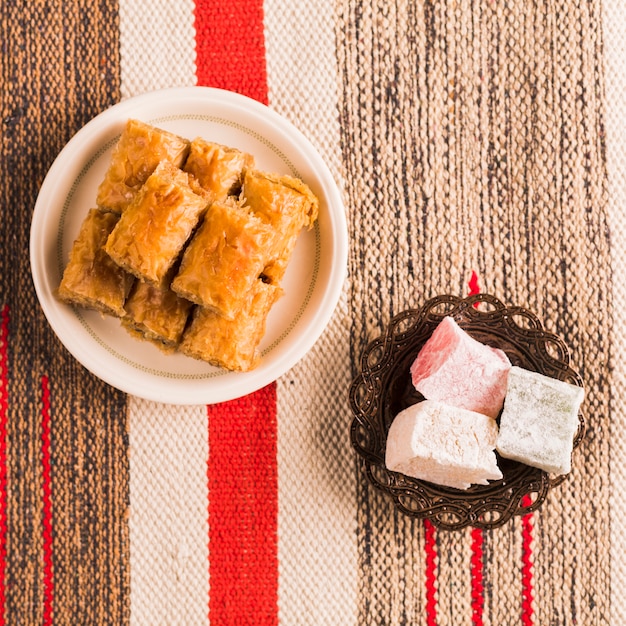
(454, 368)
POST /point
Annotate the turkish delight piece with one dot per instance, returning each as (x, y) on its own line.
(456, 369)
(140, 148)
(232, 344)
(156, 225)
(539, 420)
(217, 168)
(91, 279)
(444, 445)
(224, 258)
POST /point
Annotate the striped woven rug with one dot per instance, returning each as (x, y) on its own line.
(477, 149)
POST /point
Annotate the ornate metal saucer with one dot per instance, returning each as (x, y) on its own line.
(383, 388)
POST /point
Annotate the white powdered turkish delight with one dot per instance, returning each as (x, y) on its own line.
(444, 445)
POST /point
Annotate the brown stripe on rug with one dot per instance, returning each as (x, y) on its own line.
(60, 67)
(473, 140)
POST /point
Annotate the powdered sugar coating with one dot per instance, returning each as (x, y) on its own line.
(539, 421)
(444, 445)
(454, 368)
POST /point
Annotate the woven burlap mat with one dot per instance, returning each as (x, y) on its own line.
(473, 141)
(614, 23)
(60, 67)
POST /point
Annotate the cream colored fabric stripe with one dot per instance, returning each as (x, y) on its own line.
(156, 45)
(316, 531)
(168, 445)
(169, 570)
(615, 53)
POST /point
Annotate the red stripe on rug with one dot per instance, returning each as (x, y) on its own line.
(473, 284)
(430, 548)
(527, 565)
(242, 466)
(48, 536)
(476, 571)
(477, 565)
(243, 510)
(4, 417)
(476, 561)
(230, 46)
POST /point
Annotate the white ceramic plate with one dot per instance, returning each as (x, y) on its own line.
(312, 284)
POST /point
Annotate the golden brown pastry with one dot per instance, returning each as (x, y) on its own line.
(217, 168)
(154, 228)
(232, 344)
(224, 258)
(288, 205)
(140, 148)
(156, 313)
(191, 247)
(284, 201)
(91, 279)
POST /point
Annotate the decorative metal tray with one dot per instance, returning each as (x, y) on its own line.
(383, 388)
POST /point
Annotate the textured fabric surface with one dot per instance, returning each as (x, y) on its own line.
(614, 23)
(478, 147)
(473, 140)
(316, 531)
(64, 433)
(157, 45)
(168, 523)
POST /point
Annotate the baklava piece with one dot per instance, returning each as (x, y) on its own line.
(156, 225)
(156, 313)
(231, 344)
(224, 259)
(91, 279)
(140, 148)
(217, 168)
(284, 201)
(288, 205)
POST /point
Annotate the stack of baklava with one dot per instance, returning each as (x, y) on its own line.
(188, 245)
